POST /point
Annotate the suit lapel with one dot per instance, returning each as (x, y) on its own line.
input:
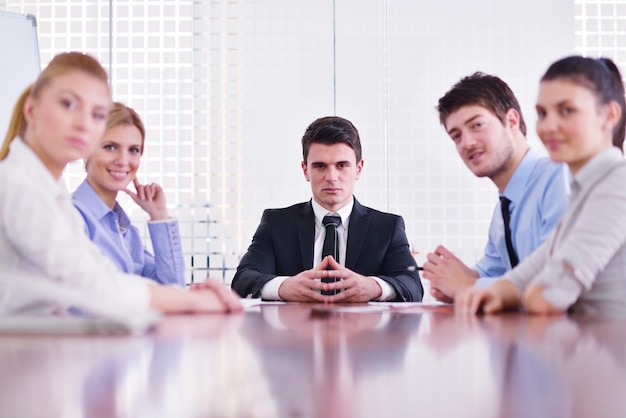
(357, 231)
(306, 234)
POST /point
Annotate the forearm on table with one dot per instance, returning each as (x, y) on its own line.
(172, 300)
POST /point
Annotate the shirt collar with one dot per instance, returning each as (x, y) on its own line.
(597, 167)
(344, 212)
(514, 189)
(90, 198)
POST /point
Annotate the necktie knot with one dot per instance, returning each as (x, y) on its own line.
(331, 220)
(505, 202)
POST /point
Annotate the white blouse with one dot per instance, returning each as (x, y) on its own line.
(44, 251)
(582, 265)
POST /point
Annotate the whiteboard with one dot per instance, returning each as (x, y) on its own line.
(19, 61)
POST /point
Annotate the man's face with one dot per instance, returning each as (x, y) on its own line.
(332, 171)
(482, 141)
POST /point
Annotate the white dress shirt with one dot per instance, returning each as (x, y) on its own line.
(320, 231)
(270, 289)
(43, 245)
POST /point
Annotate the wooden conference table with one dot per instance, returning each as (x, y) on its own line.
(304, 360)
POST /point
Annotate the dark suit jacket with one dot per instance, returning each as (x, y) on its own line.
(283, 246)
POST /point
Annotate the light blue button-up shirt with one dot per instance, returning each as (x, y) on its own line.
(538, 191)
(120, 241)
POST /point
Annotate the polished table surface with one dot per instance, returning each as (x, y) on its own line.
(305, 360)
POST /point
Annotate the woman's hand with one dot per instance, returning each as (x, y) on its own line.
(500, 295)
(224, 293)
(151, 198)
(473, 301)
(210, 296)
(534, 302)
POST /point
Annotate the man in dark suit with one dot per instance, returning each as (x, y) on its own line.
(284, 261)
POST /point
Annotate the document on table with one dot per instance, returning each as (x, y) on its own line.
(254, 304)
(381, 306)
(69, 325)
(418, 307)
(251, 304)
(404, 305)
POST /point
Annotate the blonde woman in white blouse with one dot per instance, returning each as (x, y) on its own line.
(582, 266)
(44, 252)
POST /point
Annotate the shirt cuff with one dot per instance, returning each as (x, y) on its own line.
(168, 220)
(270, 289)
(388, 292)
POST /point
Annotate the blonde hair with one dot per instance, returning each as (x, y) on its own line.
(60, 65)
(121, 114)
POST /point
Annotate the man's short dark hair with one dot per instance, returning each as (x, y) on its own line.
(483, 90)
(330, 130)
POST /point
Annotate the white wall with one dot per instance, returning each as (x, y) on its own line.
(394, 59)
(227, 87)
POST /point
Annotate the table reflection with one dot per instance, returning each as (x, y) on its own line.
(187, 368)
(309, 360)
(48, 376)
(563, 366)
(522, 365)
(319, 361)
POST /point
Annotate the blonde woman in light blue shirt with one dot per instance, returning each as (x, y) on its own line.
(110, 169)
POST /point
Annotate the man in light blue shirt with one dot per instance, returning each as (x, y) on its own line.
(483, 117)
